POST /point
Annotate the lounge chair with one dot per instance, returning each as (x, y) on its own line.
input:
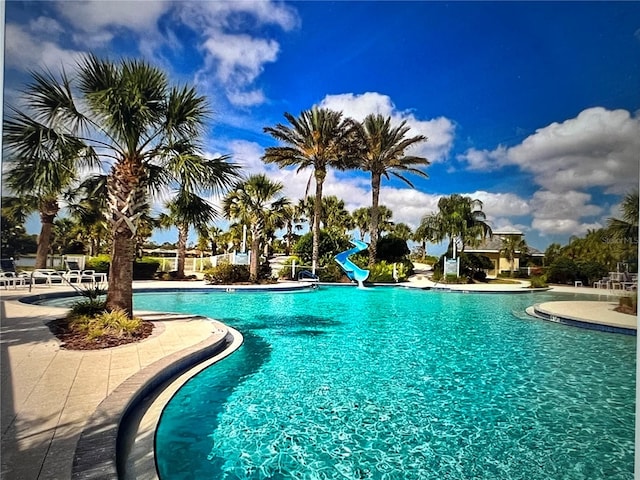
(47, 276)
(9, 276)
(75, 273)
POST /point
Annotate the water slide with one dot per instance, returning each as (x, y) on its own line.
(353, 271)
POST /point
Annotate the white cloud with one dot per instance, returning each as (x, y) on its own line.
(25, 51)
(598, 148)
(95, 15)
(239, 59)
(439, 131)
(501, 204)
(233, 55)
(46, 25)
(560, 213)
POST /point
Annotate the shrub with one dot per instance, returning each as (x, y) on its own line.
(100, 264)
(562, 270)
(145, 268)
(331, 272)
(538, 281)
(329, 245)
(88, 307)
(115, 323)
(285, 271)
(480, 276)
(391, 249)
(226, 273)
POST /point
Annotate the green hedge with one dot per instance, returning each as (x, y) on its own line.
(100, 264)
(227, 274)
(145, 268)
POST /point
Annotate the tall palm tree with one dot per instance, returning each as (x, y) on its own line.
(128, 113)
(427, 231)
(460, 219)
(194, 174)
(41, 163)
(318, 139)
(625, 230)
(512, 246)
(183, 211)
(401, 230)
(293, 218)
(257, 203)
(383, 153)
(361, 218)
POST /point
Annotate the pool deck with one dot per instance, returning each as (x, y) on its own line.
(50, 396)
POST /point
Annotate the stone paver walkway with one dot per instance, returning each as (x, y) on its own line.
(48, 393)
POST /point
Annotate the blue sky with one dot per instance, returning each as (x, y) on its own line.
(532, 108)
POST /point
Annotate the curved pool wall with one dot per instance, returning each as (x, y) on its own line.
(488, 395)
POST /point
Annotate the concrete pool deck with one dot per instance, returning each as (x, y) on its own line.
(48, 394)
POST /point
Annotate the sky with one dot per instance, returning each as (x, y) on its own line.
(532, 108)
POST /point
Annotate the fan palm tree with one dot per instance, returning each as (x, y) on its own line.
(427, 231)
(401, 230)
(459, 218)
(361, 218)
(625, 230)
(194, 174)
(383, 153)
(512, 246)
(41, 163)
(128, 113)
(318, 139)
(293, 218)
(185, 210)
(257, 203)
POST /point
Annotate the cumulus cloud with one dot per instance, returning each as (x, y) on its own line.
(25, 50)
(96, 15)
(439, 131)
(239, 59)
(561, 213)
(231, 55)
(598, 148)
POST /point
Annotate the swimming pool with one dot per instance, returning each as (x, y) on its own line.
(390, 383)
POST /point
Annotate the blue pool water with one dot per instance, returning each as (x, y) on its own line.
(386, 383)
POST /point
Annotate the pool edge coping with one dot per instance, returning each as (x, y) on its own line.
(97, 453)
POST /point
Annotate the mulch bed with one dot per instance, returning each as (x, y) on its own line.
(73, 340)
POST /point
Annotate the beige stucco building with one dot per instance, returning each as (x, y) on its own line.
(491, 248)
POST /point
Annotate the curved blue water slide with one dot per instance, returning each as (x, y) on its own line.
(353, 271)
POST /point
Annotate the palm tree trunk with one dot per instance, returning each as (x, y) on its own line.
(183, 233)
(317, 215)
(127, 201)
(255, 257)
(44, 239)
(120, 293)
(48, 211)
(373, 226)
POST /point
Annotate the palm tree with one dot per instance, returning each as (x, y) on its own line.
(460, 219)
(257, 203)
(318, 139)
(361, 218)
(194, 174)
(87, 206)
(625, 230)
(42, 164)
(384, 153)
(401, 230)
(130, 114)
(427, 231)
(185, 210)
(292, 217)
(512, 246)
